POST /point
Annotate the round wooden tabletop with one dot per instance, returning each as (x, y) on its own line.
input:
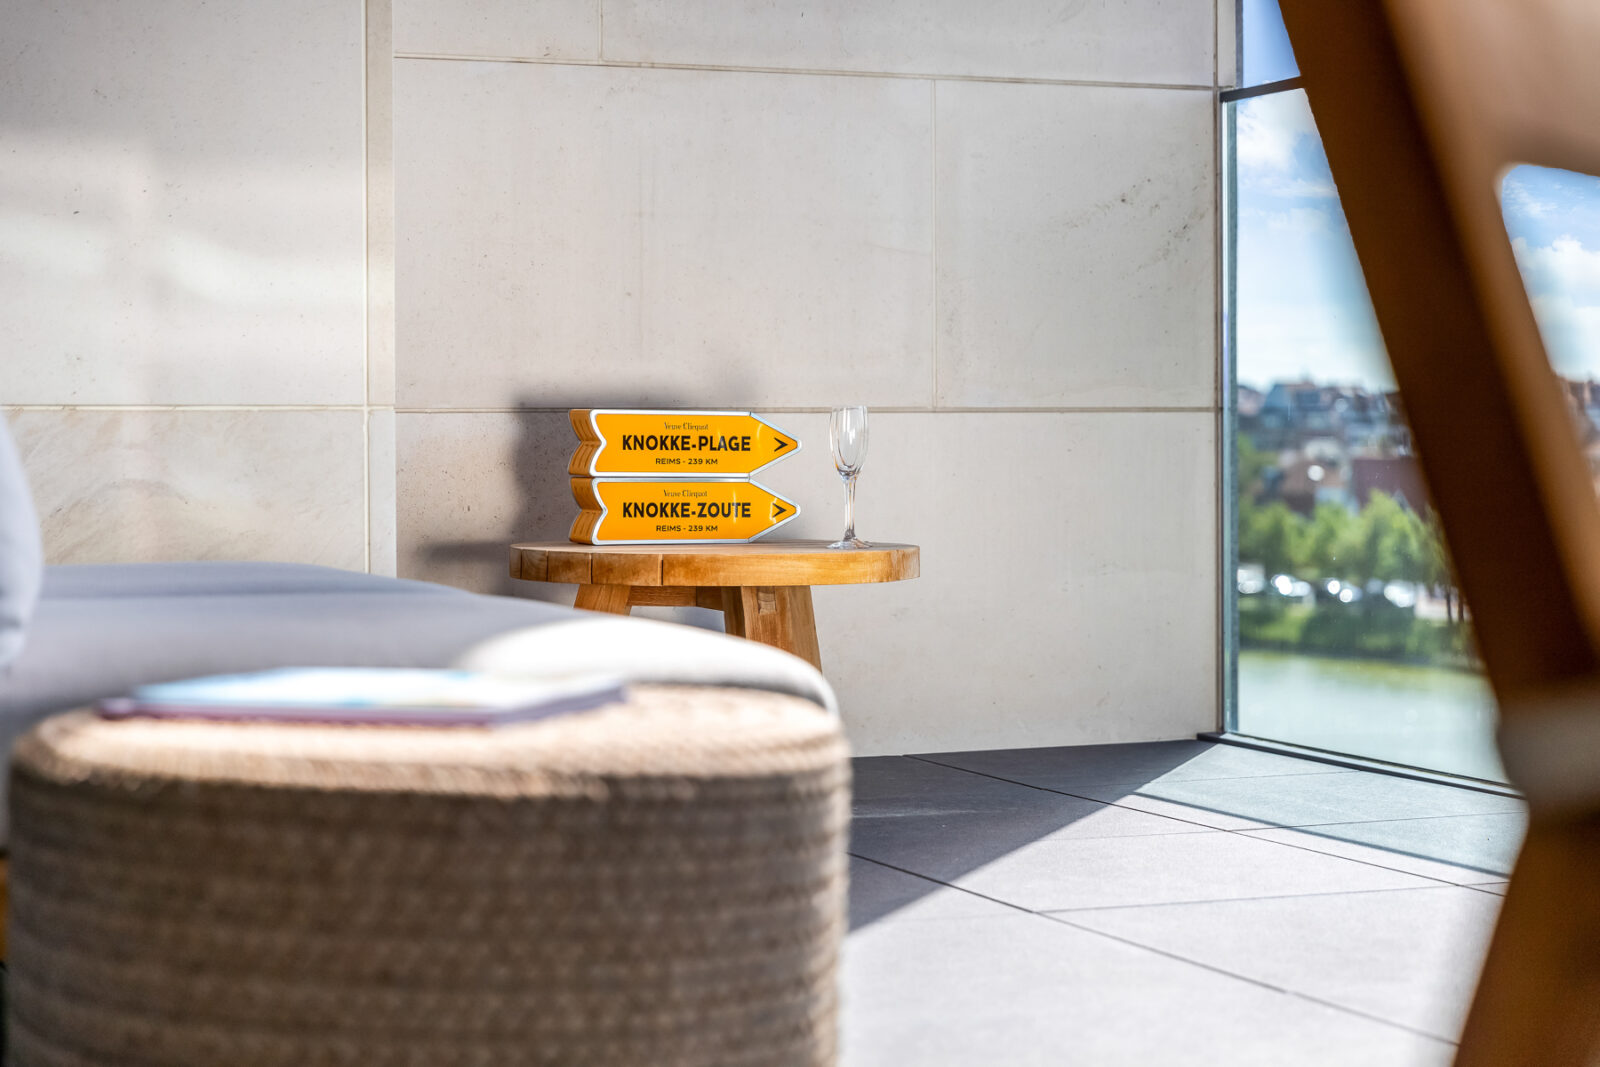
(759, 563)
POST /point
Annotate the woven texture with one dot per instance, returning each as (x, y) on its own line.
(660, 882)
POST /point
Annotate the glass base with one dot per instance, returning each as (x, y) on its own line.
(854, 542)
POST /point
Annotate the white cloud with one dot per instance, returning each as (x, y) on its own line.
(1268, 130)
(1299, 220)
(1262, 145)
(1563, 283)
(1516, 200)
(1563, 265)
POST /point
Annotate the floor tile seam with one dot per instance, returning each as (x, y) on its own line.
(1254, 831)
(1077, 796)
(1264, 825)
(1219, 778)
(948, 885)
(1249, 979)
(1050, 839)
(1363, 822)
(1056, 917)
(1203, 827)
(1493, 873)
(1494, 876)
(1314, 894)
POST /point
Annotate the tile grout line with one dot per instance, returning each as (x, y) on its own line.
(1248, 832)
(366, 285)
(183, 407)
(1369, 863)
(624, 64)
(1199, 964)
(1362, 822)
(1285, 991)
(877, 409)
(933, 215)
(1247, 900)
(887, 410)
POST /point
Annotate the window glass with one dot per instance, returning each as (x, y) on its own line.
(1351, 636)
(1553, 219)
(1264, 52)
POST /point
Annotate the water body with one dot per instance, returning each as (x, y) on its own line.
(1429, 717)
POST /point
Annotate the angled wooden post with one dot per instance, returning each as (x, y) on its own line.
(1422, 105)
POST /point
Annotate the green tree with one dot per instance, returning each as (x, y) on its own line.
(1438, 571)
(1388, 543)
(1252, 464)
(1328, 539)
(1274, 537)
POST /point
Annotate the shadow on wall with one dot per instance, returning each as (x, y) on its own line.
(465, 541)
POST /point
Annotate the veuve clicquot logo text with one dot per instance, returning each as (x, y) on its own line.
(675, 444)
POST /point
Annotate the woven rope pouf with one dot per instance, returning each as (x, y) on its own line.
(660, 882)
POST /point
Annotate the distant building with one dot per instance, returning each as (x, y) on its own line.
(1305, 483)
(1293, 413)
(1398, 476)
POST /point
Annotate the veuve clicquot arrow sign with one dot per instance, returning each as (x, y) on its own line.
(675, 444)
(627, 511)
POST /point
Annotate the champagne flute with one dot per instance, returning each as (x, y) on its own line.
(847, 437)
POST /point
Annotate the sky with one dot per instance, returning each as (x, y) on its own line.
(1302, 309)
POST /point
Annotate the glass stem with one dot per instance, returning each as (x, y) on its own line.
(849, 507)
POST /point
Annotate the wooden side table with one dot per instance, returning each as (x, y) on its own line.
(763, 589)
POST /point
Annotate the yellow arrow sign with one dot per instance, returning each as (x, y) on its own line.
(622, 511)
(675, 444)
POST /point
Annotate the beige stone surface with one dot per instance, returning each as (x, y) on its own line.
(548, 29)
(1077, 246)
(181, 203)
(1153, 41)
(1060, 554)
(120, 486)
(584, 235)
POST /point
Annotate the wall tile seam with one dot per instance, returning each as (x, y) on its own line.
(806, 71)
(401, 410)
(158, 408)
(884, 410)
(933, 223)
(366, 282)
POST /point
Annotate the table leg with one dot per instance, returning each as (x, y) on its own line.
(780, 616)
(608, 598)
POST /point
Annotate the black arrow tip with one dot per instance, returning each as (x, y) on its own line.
(782, 444)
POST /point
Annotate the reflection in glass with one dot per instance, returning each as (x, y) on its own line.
(1264, 52)
(1351, 634)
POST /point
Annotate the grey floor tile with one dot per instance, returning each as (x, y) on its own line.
(882, 779)
(1311, 799)
(1028, 991)
(1129, 766)
(921, 817)
(1408, 956)
(1465, 849)
(1171, 868)
(880, 893)
(954, 840)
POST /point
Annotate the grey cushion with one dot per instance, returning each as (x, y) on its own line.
(21, 556)
(100, 630)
